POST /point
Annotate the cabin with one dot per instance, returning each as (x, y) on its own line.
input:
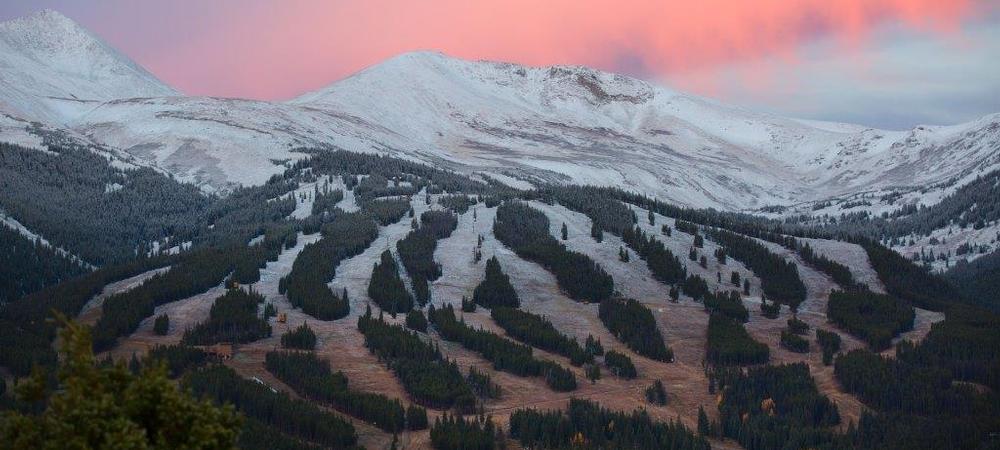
(224, 350)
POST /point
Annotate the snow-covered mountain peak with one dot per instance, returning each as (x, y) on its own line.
(55, 70)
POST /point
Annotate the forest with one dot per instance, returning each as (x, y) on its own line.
(346, 235)
(526, 231)
(277, 411)
(537, 331)
(416, 250)
(874, 318)
(633, 324)
(233, 319)
(495, 290)
(586, 424)
(730, 344)
(311, 377)
(505, 355)
(432, 380)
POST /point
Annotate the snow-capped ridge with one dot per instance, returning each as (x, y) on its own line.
(56, 70)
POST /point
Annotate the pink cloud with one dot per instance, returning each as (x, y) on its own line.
(282, 49)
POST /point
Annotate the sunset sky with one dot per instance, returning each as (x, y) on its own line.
(888, 63)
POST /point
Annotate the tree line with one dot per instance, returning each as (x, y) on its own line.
(586, 424)
(526, 231)
(416, 250)
(633, 324)
(346, 235)
(505, 355)
(426, 375)
(311, 377)
(730, 344)
(233, 318)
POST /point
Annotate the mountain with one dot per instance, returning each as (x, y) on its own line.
(514, 123)
(52, 69)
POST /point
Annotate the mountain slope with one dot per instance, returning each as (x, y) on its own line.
(51, 69)
(555, 124)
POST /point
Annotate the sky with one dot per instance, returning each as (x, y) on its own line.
(885, 63)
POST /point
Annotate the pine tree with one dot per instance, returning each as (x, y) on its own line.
(565, 232)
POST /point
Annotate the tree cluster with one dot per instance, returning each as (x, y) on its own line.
(585, 424)
(423, 371)
(872, 317)
(633, 324)
(233, 319)
(495, 290)
(537, 331)
(506, 355)
(386, 287)
(526, 231)
(730, 344)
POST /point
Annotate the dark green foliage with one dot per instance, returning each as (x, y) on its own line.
(728, 304)
(482, 384)
(258, 436)
(794, 342)
(735, 278)
(720, 255)
(26, 331)
(829, 343)
(386, 288)
(325, 200)
(704, 426)
(277, 411)
(797, 326)
(386, 212)
(966, 343)
(246, 269)
(28, 265)
(233, 318)
(377, 185)
(686, 227)
(564, 231)
(620, 364)
(593, 346)
(457, 433)
(468, 305)
(537, 331)
(178, 358)
(415, 320)
(634, 325)
(695, 287)
(346, 235)
(416, 250)
(162, 325)
(656, 394)
(311, 377)
(431, 380)
(665, 266)
(979, 280)
(699, 241)
(874, 318)
(505, 355)
(909, 282)
(775, 407)
(730, 344)
(589, 421)
(197, 272)
(458, 203)
(779, 278)
(301, 338)
(495, 290)
(769, 310)
(416, 418)
(79, 202)
(840, 273)
(526, 231)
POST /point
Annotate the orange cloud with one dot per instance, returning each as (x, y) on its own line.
(281, 49)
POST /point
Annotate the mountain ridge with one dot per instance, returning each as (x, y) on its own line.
(540, 124)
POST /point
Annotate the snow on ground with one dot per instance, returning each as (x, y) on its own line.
(851, 255)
